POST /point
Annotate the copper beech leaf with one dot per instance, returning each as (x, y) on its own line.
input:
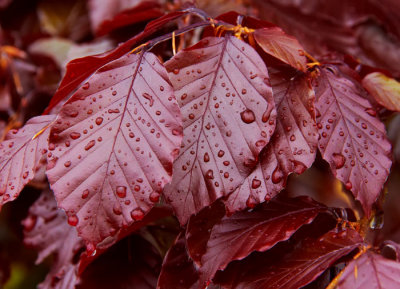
(385, 90)
(292, 147)
(235, 237)
(178, 270)
(47, 231)
(274, 41)
(222, 87)
(291, 267)
(370, 271)
(77, 70)
(113, 145)
(352, 139)
(22, 153)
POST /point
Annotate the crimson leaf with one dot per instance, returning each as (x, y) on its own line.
(292, 147)
(22, 154)
(352, 139)
(228, 117)
(113, 145)
(370, 270)
(178, 270)
(235, 237)
(296, 268)
(46, 230)
(286, 48)
(108, 16)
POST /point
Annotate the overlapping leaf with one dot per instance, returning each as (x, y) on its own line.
(178, 270)
(372, 271)
(22, 153)
(385, 90)
(46, 230)
(228, 117)
(133, 263)
(293, 145)
(352, 139)
(235, 237)
(113, 145)
(293, 269)
(282, 46)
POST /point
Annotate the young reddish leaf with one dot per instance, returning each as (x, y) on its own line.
(370, 270)
(21, 155)
(106, 17)
(113, 145)
(282, 46)
(294, 268)
(292, 147)
(235, 237)
(133, 263)
(46, 230)
(199, 227)
(385, 90)
(178, 270)
(352, 139)
(228, 117)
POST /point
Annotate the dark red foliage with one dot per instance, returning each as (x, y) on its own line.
(180, 158)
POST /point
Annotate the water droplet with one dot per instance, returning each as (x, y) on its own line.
(348, 185)
(25, 175)
(73, 220)
(191, 115)
(121, 191)
(244, 91)
(154, 197)
(247, 116)
(255, 184)
(210, 174)
(85, 194)
(117, 209)
(261, 143)
(137, 214)
(67, 164)
(162, 88)
(206, 158)
(221, 153)
(149, 98)
(338, 160)
(86, 86)
(277, 175)
(75, 135)
(292, 137)
(371, 111)
(251, 202)
(99, 120)
(183, 96)
(176, 71)
(90, 145)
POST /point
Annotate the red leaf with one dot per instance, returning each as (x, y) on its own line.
(132, 263)
(235, 237)
(282, 46)
(370, 270)
(178, 270)
(292, 147)
(22, 155)
(199, 229)
(108, 16)
(80, 69)
(293, 269)
(228, 117)
(385, 90)
(46, 230)
(113, 146)
(352, 139)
